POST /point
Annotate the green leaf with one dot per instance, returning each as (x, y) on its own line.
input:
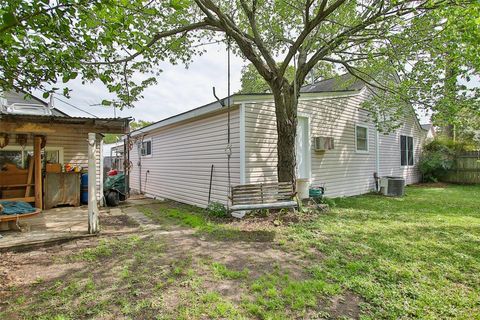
(45, 95)
(9, 18)
(177, 4)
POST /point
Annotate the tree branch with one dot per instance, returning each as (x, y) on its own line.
(155, 38)
(379, 16)
(35, 14)
(242, 40)
(321, 15)
(256, 35)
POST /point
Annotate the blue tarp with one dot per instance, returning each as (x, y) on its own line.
(16, 207)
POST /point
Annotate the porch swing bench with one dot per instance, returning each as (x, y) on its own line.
(275, 195)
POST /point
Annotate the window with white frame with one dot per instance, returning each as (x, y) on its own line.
(361, 138)
(147, 147)
(406, 151)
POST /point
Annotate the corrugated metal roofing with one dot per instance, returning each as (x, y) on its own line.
(23, 97)
(63, 119)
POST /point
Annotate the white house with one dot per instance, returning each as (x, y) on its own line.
(173, 158)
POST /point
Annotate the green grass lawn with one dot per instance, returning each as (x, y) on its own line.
(411, 257)
(416, 257)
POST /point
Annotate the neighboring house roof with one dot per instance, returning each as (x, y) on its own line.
(430, 130)
(21, 96)
(426, 126)
(345, 82)
(342, 85)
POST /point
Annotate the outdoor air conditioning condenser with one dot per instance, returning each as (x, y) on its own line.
(392, 186)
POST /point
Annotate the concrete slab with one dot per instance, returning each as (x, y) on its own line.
(50, 225)
(68, 223)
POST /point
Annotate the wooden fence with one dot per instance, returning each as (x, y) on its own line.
(466, 169)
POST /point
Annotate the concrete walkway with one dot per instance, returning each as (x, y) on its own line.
(68, 223)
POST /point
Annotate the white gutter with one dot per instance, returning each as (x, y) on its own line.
(242, 144)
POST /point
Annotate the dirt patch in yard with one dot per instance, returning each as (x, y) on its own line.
(221, 271)
(345, 306)
(169, 273)
(117, 222)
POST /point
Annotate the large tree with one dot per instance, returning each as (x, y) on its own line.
(111, 40)
(253, 82)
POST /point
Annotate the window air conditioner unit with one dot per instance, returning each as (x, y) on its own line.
(323, 143)
(392, 186)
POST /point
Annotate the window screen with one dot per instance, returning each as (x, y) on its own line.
(147, 148)
(406, 151)
(11, 157)
(362, 138)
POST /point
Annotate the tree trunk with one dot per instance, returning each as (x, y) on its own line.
(286, 102)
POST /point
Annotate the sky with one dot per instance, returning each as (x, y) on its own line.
(178, 89)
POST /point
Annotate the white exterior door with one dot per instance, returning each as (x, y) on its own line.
(303, 148)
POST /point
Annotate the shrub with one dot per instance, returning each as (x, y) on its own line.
(438, 158)
(217, 209)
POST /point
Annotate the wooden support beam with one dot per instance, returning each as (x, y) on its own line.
(37, 159)
(45, 128)
(93, 221)
(30, 176)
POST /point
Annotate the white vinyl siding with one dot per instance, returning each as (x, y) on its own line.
(183, 153)
(343, 171)
(390, 150)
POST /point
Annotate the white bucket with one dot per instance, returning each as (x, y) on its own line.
(303, 186)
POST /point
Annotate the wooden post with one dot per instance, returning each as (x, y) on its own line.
(37, 158)
(93, 226)
(29, 177)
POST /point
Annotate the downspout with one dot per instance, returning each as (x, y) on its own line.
(377, 159)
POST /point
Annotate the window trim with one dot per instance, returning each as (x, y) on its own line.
(407, 151)
(151, 148)
(367, 138)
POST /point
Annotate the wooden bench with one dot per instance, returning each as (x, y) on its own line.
(275, 195)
